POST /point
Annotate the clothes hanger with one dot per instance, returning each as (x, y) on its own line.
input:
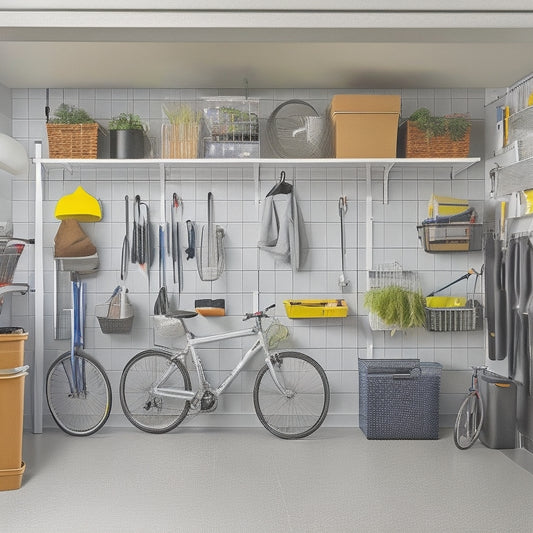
(281, 187)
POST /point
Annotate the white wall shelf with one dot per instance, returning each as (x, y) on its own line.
(514, 178)
(455, 165)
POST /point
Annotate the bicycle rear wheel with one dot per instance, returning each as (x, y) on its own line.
(302, 410)
(469, 421)
(86, 411)
(143, 408)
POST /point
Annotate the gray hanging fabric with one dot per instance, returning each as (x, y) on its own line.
(282, 230)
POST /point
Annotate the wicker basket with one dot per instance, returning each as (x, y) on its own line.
(467, 318)
(399, 398)
(72, 141)
(114, 325)
(412, 142)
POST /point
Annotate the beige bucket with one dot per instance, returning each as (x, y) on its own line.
(11, 426)
(12, 348)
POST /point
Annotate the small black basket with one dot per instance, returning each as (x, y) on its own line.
(399, 398)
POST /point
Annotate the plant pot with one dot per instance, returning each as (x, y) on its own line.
(412, 142)
(126, 144)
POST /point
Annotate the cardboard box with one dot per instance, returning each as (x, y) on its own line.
(365, 125)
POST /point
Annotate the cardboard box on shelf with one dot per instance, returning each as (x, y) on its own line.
(365, 125)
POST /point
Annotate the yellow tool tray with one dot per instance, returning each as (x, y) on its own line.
(445, 301)
(316, 308)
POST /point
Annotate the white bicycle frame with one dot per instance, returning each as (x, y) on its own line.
(204, 385)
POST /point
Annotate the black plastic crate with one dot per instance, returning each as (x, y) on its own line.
(399, 398)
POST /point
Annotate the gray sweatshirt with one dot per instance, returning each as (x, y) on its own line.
(283, 231)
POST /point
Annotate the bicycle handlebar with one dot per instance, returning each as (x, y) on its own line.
(258, 314)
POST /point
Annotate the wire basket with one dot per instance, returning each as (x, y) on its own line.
(521, 124)
(8, 261)
(275, 334)
(114, 325)
(73, 141)
(467, 318)
(232, 119)
(386, 275)
(451, 237)
(295, 129)
(168, 327)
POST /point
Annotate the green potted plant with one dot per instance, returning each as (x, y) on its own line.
(72, 134)
(126, 137)
(180, 136)
(425, 135)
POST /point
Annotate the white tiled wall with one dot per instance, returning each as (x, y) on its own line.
(335, 343)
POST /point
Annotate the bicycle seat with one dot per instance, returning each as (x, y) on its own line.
(181, 314)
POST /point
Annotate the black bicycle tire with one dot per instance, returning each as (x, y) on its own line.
(472, 395)
(325, 406)
(123, 401)
(104, 379)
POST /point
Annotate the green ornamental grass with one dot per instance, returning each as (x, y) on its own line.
(396, 306)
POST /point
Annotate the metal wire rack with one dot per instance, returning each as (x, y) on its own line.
(386, 275)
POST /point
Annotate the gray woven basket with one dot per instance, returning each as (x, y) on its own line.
(399, 398)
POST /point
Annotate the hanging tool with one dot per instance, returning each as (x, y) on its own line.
(125, 257)
(210, 259)
(135, 233)
(192, 240)
(176, 249)
(161, 304)
(464, 276)
(143, 239)
(343, 207)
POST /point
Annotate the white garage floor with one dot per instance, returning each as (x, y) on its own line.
(245, 480)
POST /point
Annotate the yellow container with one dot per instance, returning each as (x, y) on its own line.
(12, 348)
(440, 302)
(11, 408)
(11, 425)
(316, 308)
(11, 479)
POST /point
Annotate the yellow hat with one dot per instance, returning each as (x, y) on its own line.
(79, 205)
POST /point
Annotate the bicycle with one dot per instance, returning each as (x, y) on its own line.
(470, 415)
(291, 392)
(78, 391)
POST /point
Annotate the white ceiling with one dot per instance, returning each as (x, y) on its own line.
(356, 53)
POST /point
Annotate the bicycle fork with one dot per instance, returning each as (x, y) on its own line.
(286, 392)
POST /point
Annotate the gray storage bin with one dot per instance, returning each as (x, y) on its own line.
(499, 402)
(399, 398)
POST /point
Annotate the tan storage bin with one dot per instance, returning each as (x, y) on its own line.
(12, 377)
(12, 347)
(365, 125)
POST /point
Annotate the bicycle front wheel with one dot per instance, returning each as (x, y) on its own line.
(144, 408)
(302, 408)
(469, 421)
(83, 409)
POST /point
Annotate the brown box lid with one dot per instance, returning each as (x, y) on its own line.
(365, 103)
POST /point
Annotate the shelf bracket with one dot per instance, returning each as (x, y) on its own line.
(257, 185)
(386, 170)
